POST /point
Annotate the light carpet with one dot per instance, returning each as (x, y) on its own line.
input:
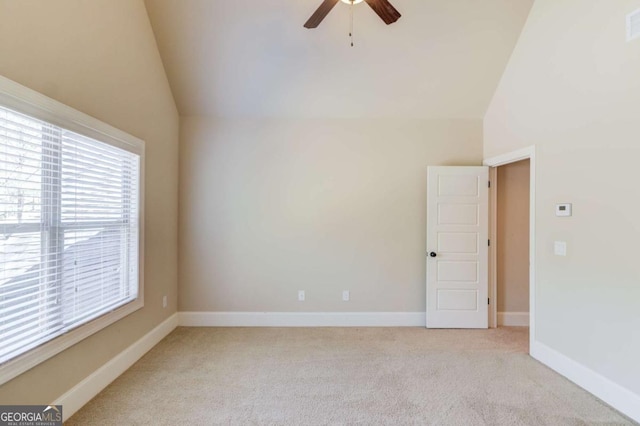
(367, 376)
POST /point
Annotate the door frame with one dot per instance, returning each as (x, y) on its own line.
(494, 162)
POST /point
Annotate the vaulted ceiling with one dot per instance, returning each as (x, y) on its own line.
(253, 58)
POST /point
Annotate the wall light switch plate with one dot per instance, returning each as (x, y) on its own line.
(563, 210)
(560, 248)
(345, 295)
(301, 296)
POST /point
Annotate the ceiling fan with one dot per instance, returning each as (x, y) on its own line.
(382, 8)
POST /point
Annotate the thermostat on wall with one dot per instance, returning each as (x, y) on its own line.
(563, 209)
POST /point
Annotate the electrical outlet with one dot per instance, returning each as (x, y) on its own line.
(300, 295)
(345, 296)
(164, 301)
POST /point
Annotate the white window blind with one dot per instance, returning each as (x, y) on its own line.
(69, 237)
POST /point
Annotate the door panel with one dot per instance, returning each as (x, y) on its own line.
(457, 271)
(458, 214)
(458, 186)
(457, 233)
(458, 300)
(457, 242)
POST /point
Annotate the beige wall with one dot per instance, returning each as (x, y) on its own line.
(100, 57)
(572, 90)
(269, 207)
(513, 237)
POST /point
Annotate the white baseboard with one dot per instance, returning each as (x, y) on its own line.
(302, 319)
(618, 397)
(82, 393)
(513, 319)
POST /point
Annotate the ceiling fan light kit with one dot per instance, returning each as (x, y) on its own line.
(382, 8)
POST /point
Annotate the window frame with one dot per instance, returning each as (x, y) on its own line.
(37, 105)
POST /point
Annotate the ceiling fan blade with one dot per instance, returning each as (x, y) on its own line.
(385, 10)
(320, 13)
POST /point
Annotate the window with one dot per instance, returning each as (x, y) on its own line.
(69, 227)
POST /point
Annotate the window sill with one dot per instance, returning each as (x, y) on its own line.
(30, 359)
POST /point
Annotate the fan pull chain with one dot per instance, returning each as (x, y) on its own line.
(351, 22)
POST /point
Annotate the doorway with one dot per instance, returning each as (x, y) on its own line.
(512, 243)
(512, 230)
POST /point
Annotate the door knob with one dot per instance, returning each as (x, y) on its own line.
(432, 254)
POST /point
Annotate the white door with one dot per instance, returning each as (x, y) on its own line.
(457, 247)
